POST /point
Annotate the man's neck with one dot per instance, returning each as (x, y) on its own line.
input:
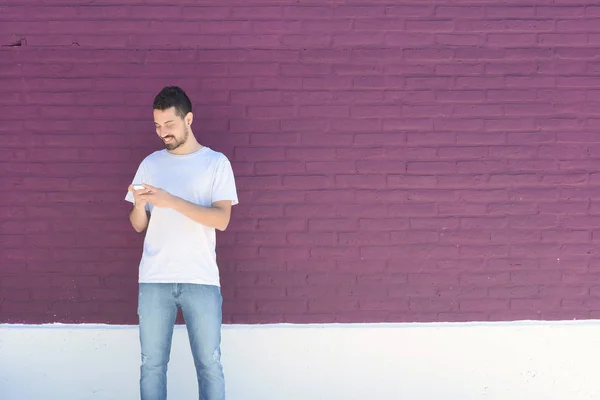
(191, 146)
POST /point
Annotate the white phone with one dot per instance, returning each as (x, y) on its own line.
(138, 187)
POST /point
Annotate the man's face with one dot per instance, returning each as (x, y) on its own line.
(171, 128)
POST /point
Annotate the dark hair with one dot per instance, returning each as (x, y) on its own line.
(173, 96)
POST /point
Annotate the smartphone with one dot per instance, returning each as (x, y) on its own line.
(138, 187)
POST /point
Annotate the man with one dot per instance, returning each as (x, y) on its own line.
(181, 195)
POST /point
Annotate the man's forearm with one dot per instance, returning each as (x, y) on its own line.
(210, 216)
(139, 218)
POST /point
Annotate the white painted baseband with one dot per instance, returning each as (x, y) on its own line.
(491, 361)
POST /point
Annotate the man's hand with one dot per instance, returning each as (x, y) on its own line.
(157, 197)
(140, 201)
(138, 216)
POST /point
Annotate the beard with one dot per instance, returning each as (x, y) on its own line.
(177, 143)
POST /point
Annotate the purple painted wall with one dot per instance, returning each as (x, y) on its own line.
(396, 161)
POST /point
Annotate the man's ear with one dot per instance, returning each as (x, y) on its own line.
(189, 118)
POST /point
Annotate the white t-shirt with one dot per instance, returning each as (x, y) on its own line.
(176, 248)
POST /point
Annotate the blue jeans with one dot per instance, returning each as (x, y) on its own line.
(157, 310)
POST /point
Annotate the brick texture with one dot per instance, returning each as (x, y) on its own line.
(396, 161)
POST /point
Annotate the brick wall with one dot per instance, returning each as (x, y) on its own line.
(396, 161)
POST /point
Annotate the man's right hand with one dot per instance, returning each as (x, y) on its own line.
(138, 216)
(140, 202)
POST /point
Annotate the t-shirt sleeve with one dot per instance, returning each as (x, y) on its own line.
(224, 183)
(139, 178)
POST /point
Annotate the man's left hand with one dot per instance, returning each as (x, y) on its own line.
(158, 197)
